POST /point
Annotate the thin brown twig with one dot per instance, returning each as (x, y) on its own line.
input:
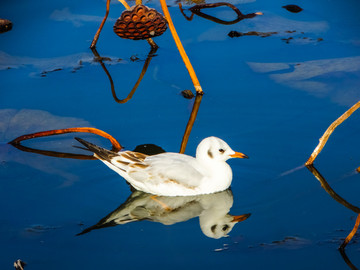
(152, 43)
(125, 4)
(352, 233)
(190, 123)
(181, 49)
(116, 145)
(183, 13)
(197, 10)
(329, 131)
(96, 37)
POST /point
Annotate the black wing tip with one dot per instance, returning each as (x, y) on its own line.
(87, 144)
(81, 141)
(101, 153)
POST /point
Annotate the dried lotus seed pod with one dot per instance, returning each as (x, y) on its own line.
(140, 22)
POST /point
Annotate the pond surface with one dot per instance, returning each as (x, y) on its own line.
(269, 97)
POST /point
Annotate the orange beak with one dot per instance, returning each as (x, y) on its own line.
(240, 218)
(239, 155)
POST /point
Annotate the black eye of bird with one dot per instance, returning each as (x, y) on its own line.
(225, 227)
(221, 150)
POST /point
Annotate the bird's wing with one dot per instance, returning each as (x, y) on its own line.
(168, 168)
(158, 169)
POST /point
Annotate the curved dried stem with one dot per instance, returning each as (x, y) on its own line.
(183, 13)
(351, 234)
(97, 34)
(181, 49)
(197, 10)
(96, 37)
(125, 4)
(116, 145)
(329, 131)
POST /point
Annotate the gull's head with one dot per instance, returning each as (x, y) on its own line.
(213, 148)
(221, 226)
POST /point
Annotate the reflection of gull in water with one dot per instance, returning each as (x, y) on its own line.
(309, 76)
(173, 174)
(212, 210)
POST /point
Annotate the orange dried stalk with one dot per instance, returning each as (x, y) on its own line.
(116, 145)
(352, 233)
(329, 131)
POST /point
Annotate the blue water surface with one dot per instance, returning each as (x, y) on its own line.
(269, 97)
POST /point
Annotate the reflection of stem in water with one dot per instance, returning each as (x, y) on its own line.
(181, 48)
(347, 260)
(340, 200)
(162, 204)
(330, 191)
(53, 153)
(328, 132)
(153, 44)
(190, 123)
(196, 10)
(146, 64)
(115, 144)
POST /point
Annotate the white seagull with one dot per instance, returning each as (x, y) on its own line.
(173, 174)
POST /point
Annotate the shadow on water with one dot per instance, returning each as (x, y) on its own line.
(212, 210)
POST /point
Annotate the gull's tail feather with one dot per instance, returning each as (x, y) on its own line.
(100, 152)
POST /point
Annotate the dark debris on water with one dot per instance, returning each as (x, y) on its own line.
(295, 35)
(187, 94)
(5, 25)
(39, 228)
(289, 242)
(293, 8)
(233, 34)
